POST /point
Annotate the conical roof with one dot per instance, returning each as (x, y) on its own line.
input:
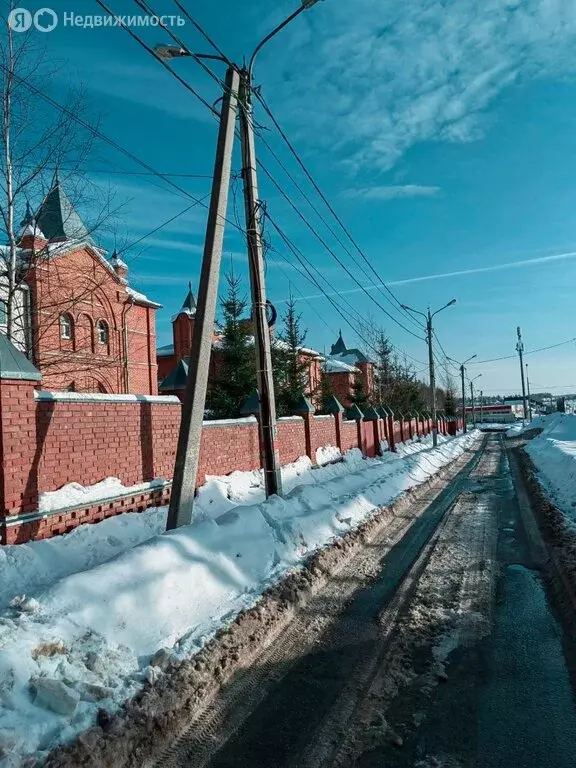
(189, 305)
(339, 348)
(57, 218)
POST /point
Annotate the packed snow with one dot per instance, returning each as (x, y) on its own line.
(553, 452)
(89, 610)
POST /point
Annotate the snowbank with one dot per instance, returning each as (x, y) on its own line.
(554, 455)
(86, 641)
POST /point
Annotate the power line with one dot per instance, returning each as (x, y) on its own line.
(111, 142)
(161, 226)
(332, 253)
(328, 204)
(531, 352)
(318, 283)
(319, 214)
(201, 30)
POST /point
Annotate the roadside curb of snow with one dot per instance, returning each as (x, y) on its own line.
(164, 708)
(557, 537)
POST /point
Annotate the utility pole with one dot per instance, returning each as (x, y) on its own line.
(265, 381)
(520, 350)
(472, 403)
(432, 379)
(464, 425)
(188, 451)
(481, 407)
(529, 400)
(429, 339)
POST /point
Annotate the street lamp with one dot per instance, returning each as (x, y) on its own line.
(472, 398)
(429, 333)
(462, 374)
(237, 91)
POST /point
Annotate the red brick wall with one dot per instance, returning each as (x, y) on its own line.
(291, 439)
(48, 442)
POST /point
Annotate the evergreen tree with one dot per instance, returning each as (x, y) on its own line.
(290, 367)
(384, 365)
(325, 391)
(358, 396)
(449, 403)
(235, 377)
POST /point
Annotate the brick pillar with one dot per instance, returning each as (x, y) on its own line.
(401, 422)
(338, 427)
(410, 431)
(376, 427)
(360, 433)
(308, 436)
(391, 440)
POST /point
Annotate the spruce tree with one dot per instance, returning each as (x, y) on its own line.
(358, 395)
(235, 376)
(290, 367)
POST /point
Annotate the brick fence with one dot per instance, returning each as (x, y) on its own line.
(49, 439)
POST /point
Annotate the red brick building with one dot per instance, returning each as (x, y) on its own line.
(172, 359)
(344, 366)
(89, 331)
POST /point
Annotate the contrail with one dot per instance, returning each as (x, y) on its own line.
(442, 275)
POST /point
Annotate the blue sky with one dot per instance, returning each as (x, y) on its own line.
(443, 133)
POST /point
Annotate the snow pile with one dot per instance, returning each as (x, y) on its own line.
(87, 640)
(76, 495)
(554, 455)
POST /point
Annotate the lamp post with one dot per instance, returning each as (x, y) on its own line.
(472, 398)
(237, 90)
(529, 400)
(429, 334)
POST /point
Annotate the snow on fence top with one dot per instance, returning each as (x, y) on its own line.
(97, 397)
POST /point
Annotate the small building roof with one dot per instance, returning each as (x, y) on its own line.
(14, 364)
(176, 379)
(165, 351)
(339, 348)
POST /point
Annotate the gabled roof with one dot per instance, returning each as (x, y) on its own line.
(176, 379)
(57, 218)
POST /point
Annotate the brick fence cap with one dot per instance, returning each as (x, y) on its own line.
(382, 411)
(303, 406)
(14, 364)
(371, 414)
(333, 405)
(251, 406)
(354, 413)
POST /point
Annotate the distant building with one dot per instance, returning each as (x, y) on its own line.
(355, 359)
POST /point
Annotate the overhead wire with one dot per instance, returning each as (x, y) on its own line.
(328, 204)
(530, 352)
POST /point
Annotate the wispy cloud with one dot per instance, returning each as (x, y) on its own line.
(425, 72)
(456, 273)
(392, 192)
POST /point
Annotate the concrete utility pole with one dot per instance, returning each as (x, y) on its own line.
(265, 379)
(462, 377)
(237, 85)
(520, 350)
(472, 398)
(481, 407)
(529, 400)
(429, 338)
(188, 450)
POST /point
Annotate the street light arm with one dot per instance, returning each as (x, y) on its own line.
(305, 5)
(450, 303)
(416, 311)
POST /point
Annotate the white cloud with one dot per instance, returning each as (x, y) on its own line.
(392, 192)
(372, 78)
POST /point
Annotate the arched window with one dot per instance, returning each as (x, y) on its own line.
(102, 331)
(65, 327)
